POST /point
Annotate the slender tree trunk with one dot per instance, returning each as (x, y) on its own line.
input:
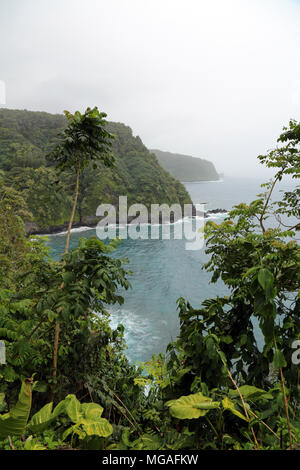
(266, 205)
(57, 325)
(73, 209)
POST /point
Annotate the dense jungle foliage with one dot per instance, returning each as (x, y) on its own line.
(27, 137)
(214, 388)
(186, 168)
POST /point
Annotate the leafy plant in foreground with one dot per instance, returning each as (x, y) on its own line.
(85, 140)
(246, 337)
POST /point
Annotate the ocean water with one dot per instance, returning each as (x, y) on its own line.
(163, 271)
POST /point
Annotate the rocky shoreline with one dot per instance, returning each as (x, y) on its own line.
(31, 228)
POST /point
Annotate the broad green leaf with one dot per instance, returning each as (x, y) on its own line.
(229, 405)
(87, 417)
(279, 360)
(51, 315)
(14, 422)
(73, 408)
(91, 411)
(266, 280)
(41, 420)
(191, 406)
(100, 427)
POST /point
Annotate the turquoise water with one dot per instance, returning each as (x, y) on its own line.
(163, 271)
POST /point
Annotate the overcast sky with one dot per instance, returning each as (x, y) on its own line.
(215, 79)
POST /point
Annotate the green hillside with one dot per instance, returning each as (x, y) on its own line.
(186, 168)
(26, 137)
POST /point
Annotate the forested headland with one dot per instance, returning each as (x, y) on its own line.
(26, 137)
(186, 168)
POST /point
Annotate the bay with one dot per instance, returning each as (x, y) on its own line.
(163, 271)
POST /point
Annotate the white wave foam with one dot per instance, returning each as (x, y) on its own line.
(133, 323)
(148, 224)
(73, 230)
(179, 221)
(139, 332)
(217, 215)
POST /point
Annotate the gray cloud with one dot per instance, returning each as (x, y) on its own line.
(215, 79)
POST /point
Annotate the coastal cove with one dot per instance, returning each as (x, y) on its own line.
(162, 269)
